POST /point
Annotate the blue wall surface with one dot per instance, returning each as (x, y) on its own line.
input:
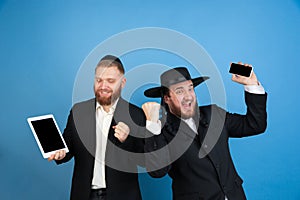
(44, 43)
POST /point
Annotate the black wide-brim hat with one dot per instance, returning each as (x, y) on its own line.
(171, 77)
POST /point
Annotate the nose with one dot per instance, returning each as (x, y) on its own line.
(102, 84)
(187, 96)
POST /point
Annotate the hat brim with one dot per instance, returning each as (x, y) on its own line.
(156, 92)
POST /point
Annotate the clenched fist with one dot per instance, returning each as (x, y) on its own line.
(121, 131)
(151, 110)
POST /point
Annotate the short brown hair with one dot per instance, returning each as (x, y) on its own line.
(109, 61)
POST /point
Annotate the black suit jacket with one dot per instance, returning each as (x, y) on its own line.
(121, 166)
(200, 165)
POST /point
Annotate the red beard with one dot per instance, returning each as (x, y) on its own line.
(105, 101)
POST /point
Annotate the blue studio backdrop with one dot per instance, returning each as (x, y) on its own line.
(44, 43)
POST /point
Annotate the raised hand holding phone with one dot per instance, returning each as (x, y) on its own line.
(240, 69)
(243, 74)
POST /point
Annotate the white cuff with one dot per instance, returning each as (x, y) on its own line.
(153, 127)
(255, 89)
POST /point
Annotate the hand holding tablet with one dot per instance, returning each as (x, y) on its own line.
(58, 155)
(48, 137)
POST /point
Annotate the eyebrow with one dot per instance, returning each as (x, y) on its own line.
(178, 88)
(181, 87)
(104, 78)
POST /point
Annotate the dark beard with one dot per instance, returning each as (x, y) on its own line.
(179, 114)
(184, 116)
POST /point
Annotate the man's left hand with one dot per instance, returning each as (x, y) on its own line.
(252, 80)
(121, 131)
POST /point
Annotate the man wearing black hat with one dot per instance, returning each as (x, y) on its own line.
(190, 143)
(102, 134)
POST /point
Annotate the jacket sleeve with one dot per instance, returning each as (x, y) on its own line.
(253, 122)
(67, 135)
(157, 155)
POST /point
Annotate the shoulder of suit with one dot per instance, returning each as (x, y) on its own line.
(208, 108)
(123, 102)
(88, 102)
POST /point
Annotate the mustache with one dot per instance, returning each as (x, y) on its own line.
(187, 102)
(104, 90)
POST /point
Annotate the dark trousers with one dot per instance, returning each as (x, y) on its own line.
(98, 194)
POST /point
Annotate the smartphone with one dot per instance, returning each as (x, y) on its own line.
(240, 69)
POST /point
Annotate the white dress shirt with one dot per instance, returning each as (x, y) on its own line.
(103, 122)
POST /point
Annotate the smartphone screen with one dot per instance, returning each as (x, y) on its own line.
(240, 69)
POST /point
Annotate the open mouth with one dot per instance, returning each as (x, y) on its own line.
(187, 105)
(104, 92)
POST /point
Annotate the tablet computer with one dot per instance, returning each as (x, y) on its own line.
(47, 134)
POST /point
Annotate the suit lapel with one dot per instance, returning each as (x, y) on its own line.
(210, 128)
(179, 125)
(117, 117)
(85, 124)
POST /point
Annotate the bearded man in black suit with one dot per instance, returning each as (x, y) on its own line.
(190, 143)
(103, 134)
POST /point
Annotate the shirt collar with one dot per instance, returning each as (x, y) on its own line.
(189, 120)
(191, 123)
(112, 108)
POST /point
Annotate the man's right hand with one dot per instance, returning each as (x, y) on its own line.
(58, 155)
(151, 110)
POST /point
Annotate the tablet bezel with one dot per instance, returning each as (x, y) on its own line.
(41, 117)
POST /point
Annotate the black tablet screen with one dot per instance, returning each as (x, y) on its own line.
(48, 135)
